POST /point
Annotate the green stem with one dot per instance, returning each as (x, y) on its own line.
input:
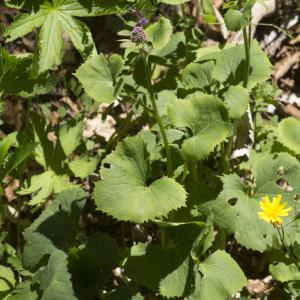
(247, 39)
(157, 116)
(185, 173)
(122, 129)
(286, 248)
(29, 104)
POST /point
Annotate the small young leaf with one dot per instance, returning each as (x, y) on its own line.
(160, 33)
(83, 166)
(235, 20)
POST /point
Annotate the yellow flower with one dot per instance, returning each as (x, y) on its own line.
(272, 211)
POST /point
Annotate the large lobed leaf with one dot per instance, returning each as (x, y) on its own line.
(124, 191)
(204, 115)
(169, 268)
(56, 18)
(54, 279)
(236, 211)
(222, 277)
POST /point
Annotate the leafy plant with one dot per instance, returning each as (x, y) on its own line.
(137, 169)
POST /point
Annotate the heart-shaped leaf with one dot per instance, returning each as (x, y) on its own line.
(125, 192)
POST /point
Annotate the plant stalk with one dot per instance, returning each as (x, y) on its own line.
(247, 39)
(157, 116)
(286, 247)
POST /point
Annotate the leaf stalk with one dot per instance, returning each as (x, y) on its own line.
(156, 114)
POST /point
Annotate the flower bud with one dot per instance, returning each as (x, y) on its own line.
(138, 35)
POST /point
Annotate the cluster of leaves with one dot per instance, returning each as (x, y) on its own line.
(191, 176)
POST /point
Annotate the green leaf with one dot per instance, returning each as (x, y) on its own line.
(18, 156)
(204, 115)
(24, 24)
(92, 8)
(83, 166)
(222, 277)
(116, 65)
(177, 39)
(7, 279)
(70, 136)
(288, 134)
(159, 33)
(44, 185)
(198, 75)
(50, 43)
(16, 76)
(54, 19)
(236, 100)
(97, 76)
(236, 211)
(230, 65)
(5, 144)
(235, 20)
(54, 279)
(22, 291)
(284, 272)
(79, 34)
(56, 228)
(260, 66)
(169, 268)
(208, 11)
(125, 192)
(92, 264)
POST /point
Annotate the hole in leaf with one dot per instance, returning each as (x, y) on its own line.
(284, 185)
(275, 156)
(106, 165)
(232, 201)
(297, 197)
(280, 171)
(237, 215)
(264, 235)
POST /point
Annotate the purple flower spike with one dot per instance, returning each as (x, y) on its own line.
(138, 35)
(142, 22)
